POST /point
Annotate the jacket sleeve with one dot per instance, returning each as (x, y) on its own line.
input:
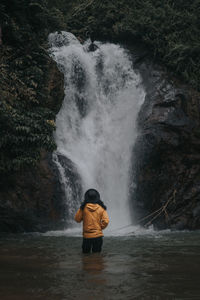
(104, 220)
(79, 216)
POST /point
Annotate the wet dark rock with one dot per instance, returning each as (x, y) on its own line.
(196, 211)
(82, 104)
(33, 200)
(92, 47)
(166, 158)
(79, 80)
(72, 183)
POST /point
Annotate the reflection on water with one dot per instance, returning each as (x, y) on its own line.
(94, 263)
(146, 267)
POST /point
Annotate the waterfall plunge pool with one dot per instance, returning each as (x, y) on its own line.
(154, 265)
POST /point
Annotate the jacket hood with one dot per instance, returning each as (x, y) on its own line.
(92, 206)
(99, 202)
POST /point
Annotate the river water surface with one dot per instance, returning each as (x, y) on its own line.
(143, 266)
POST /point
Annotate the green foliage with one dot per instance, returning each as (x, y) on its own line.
(170, 29)
(23, 134)
(26, 120)
(29, 21)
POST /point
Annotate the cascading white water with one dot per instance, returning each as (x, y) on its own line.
(96, 126)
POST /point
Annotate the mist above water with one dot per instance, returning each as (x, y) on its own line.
(96, 126)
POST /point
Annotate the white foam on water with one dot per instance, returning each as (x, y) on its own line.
(127, 231)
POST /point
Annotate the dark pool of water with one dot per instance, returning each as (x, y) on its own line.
(161, 266)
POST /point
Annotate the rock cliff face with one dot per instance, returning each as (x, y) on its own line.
(30, 200)
(31, 203)
(166, 157)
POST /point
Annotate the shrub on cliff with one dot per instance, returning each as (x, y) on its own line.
(170, 29)
(26, 116)
(23, 134)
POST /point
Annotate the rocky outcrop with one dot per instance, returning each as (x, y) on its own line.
(30, 203)
(30, 199)
(166, 157)
(70, 184)
(54, 87)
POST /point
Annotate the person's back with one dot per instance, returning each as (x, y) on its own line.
(95, 218)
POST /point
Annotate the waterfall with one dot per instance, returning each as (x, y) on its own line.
(96, 125)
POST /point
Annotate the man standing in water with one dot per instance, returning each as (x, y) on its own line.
(95, 218)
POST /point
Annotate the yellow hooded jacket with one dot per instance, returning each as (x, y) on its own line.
(95, 219)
